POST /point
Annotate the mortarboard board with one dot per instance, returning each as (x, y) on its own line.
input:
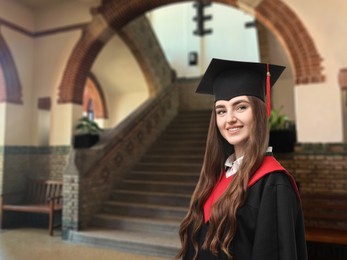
(227, 79)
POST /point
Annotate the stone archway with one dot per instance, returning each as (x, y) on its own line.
(114, 14)
(10, 87)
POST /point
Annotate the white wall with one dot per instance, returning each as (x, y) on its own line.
(174, 26)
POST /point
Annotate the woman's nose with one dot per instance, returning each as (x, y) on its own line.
(231, 118)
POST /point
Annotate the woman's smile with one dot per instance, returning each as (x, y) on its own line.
(234, 130)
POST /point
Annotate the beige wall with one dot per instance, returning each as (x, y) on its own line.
(51, 56)
(41, 62)
(20, 120)
(283, 91)
(125, 104)
(63, 120)
(62, 15)
(2, 123)
(122, 80)
(17, 14)
(318, 106)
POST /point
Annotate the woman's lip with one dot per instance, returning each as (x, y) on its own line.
(234, 129)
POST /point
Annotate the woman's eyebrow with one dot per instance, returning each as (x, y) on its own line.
(219, 106)
(239, 102)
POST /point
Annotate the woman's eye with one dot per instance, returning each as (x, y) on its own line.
(220, 112)
(241, 108)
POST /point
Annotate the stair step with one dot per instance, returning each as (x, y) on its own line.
(189, 131)
(135, 242)
(163, 176)
(195, 126)
(152, 225)
(151, 197)
(194, 115)
(186, 117)
(162, 166)
(144, 210)
(181, 147)
(176, 151)
(152, 158)
(158, 186)
(184, 134)
(179, 143)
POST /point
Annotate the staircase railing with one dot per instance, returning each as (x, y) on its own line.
(91, 173)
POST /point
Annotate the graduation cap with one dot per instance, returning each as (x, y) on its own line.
(227, 79)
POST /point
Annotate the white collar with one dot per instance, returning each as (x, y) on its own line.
(233, 165)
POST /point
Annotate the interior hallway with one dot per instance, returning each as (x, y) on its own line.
(36, 244)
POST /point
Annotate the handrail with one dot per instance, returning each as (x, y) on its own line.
(104, 151)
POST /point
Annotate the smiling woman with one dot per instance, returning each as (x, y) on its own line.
(245, 206)
(234, 119)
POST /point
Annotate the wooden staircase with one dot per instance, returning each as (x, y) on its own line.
(146, 208)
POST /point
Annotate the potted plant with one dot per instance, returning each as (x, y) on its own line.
(87, 133)
(282, 132)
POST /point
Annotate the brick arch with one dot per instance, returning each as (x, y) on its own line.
(93, 39)
(80, 63)
(10, 87)
(288, 28)
(274, 14)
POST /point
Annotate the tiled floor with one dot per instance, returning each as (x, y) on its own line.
(36, 244)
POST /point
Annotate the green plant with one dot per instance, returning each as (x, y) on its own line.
(87, 126)
(278, 120)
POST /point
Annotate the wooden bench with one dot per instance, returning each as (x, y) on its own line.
(326, 221)
(41, 196)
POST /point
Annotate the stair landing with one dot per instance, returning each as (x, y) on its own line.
(129, 241)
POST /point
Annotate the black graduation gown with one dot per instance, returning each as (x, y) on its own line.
(270, 224)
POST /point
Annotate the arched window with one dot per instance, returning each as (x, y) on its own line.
(93, 96)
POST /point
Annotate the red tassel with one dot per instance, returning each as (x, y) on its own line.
(268, 90)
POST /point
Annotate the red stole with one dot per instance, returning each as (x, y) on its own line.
(269, 165)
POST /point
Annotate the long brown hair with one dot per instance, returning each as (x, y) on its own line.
(223, 221)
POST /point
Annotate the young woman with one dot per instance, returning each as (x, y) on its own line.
(246, 206)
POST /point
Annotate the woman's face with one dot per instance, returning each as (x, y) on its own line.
(234, 120)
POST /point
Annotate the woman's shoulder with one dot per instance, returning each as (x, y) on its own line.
(277, 178)
(269, 184)
(272, 179)
(271, 172)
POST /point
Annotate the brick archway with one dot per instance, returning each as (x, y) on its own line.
(291, 32)
(10, 87)
(114, 14)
